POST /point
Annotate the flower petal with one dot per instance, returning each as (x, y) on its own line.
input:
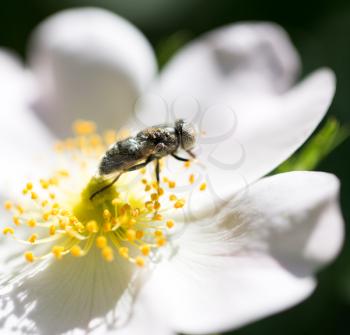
(255, 259)
(244, 143)
(90, 64)
(247, 57)
(23, 139)
(75, 293)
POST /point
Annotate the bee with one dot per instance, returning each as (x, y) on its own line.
(150, 144)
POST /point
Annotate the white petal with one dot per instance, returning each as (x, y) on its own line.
(90, 64)
(23, 138)
(201, 295)
(252, 260)
(243, 143)
(247, 57)
(86, 293)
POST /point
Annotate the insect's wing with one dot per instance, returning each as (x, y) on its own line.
(120, 156)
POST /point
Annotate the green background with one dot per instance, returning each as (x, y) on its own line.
(321, 32)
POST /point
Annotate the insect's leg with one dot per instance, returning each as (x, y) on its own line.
(157, 171)
(105, 187)
(191, 154)
(180, 158)
(141, 165)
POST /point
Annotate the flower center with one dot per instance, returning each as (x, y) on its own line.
(132, 219)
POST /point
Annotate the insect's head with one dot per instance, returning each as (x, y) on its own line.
(187, 134)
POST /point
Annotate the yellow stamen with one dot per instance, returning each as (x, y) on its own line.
(76, 251)
(107, 253)
(8, 205)
(29, 256)
(8, 230)
(57, 251)
(139, 261)
(101, 242)
(203, 187)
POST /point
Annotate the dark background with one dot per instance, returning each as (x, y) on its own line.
(321, 32)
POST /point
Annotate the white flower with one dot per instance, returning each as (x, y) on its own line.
(247, 248)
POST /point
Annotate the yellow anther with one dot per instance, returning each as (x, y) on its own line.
(63, 173)
(53, 181)
(101, 242)
(160, 191)
(143, 171)
(8, 230)
(147, 188)
(172, 197)
(149, 205)
(124, 252)
(29, 186)
(65, 212)
(156, 205)
(34, 195)
(24, 191)
(160, 241)
(203, 187)
(165, 179)
(179, 203)
(32, 238)
(191, 178)
(154, 196)
(144, 181)
(52, 230)
(145, 249)
(107, 226)
(8, 205)
(82, 127)
(135, 212)
(107, 254)
(158, 233)
(16, 220)
(110, 137)
(139, 234)
(187, 164)
(62, 224)
(155, 185)
(170, 224)
(20, 209)
(107, 214)
(44, 184)
(92, 227)
(158, 217)
(31, 223)
(54, 211)
(44, 203)
(76, 251)
(52, 196)
(139, 261)
(131, 234)
(171, 184)
(29, 256)
(46, 216)
(57, 251)
(56, 205)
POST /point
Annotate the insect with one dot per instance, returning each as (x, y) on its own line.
(150, 144)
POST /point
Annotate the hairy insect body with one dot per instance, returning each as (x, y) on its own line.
(150, 144)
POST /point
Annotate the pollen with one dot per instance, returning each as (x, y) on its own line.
(132, 220)
(76, 251)
(8, 230)
(203, 187)
(101, 242)
(29, 256)
(139, 261)
(8, 205)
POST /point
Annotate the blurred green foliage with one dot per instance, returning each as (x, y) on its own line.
(317, 148)
(320, 30)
